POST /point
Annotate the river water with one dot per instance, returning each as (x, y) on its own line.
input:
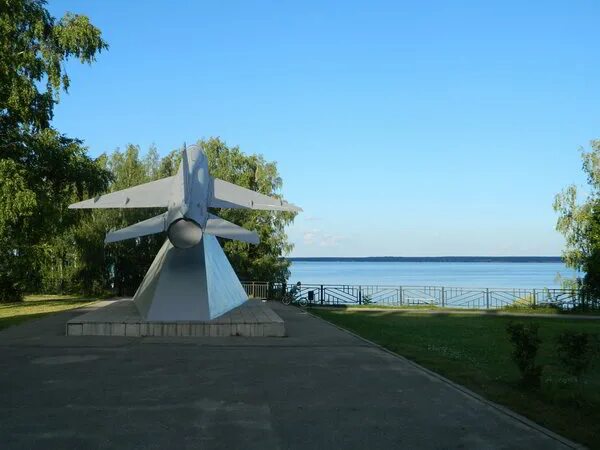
(460, 274)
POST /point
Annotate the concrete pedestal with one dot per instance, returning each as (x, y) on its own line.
(121, 318)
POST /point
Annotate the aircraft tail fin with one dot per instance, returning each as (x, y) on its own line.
(229, 195)
(222, 228)
(185, 166)
(154, 225)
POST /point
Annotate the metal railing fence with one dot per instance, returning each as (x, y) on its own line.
(256, 289)
(438, 296)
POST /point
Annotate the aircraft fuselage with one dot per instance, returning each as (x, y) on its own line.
(188, 207)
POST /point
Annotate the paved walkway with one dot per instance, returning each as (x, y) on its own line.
(319, 388)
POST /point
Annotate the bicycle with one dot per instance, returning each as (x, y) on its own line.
(293, 296)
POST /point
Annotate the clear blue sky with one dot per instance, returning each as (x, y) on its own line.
(401, 128)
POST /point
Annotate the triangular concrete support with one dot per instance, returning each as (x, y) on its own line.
(190, 284)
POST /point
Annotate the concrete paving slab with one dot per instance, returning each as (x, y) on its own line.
(121, 318)
(318, 388)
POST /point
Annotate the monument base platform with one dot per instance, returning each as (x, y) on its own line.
(121, 318)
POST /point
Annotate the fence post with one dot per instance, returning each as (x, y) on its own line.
(534, 298)
(360, 295)
(443, 297)
(487, 298)
(321, 295)
(401, 295)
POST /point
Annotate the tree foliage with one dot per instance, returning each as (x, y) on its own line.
(579, 222)
(40, 169)
(33, 47)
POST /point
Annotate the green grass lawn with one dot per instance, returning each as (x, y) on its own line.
(474, 351)
(35, 306)
(507, 309)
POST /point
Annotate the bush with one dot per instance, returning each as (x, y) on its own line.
(576, 351)
(11, 289)
(9, 292)
(525, 342)
(366, 300)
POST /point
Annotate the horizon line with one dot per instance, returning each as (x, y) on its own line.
(555, 257)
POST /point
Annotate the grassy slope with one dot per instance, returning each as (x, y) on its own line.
(36, 306)
(474, 351)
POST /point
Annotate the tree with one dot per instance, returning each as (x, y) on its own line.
(40, 169)
(117, 267)
(33, 48)
(64, 173)
(579, 222)
(128, 261)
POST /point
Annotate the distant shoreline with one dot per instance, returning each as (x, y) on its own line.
(449, 259)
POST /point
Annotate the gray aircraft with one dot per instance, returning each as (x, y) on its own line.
(190, 278)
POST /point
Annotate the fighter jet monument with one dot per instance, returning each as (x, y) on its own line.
(190, 278)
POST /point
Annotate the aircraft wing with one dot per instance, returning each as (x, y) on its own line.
(229, 195)
(153, 225)
(148, 195)
(222, 228)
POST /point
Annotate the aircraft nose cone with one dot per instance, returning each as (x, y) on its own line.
(184, 233)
